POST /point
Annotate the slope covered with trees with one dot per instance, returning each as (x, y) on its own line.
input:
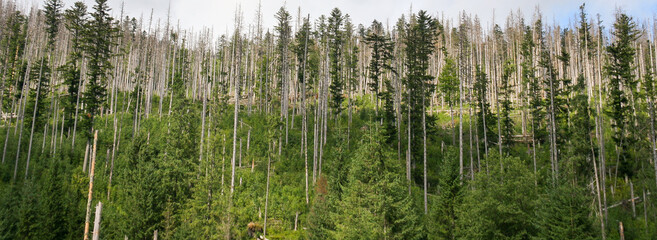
(321, 128)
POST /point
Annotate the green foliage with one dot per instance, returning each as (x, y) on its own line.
(99, 34)
(505, 102)
(75, 22)
(449, 197)
(448, 82)
(307, 56)
(485, 119)
(418, 82)
(500, 205)
(565, 214)
(37, 105)
(52, 10)
(622, 85)
(585, 38)
(580, 142)
(536, 102)
(382, 48)
(13, 40)
(360, 191)
(320, 224)
(375, 203)
(335, 34)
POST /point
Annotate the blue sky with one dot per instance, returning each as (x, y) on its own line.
(219, 14)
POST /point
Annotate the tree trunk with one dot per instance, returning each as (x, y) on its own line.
(264, 232)
(96, 231)
(36, 103)
(408, 151)
(461, 131)
(91, 187)
(424, 143)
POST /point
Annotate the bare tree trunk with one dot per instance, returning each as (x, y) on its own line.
(632, 199)
(597, 188)
(91, 186)
(36, 103)
(304, 126)
(96, 231)
(115, 147)
(205, 104)
(267, 195)
(408, 152)
(77, 108)
(21, 115)
(601, 137)
(461, 131)
(424, 143)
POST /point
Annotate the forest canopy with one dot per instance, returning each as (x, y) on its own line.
(323, 128)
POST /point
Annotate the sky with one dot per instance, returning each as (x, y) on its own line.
(219, 15)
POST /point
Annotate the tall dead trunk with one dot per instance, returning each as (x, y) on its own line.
(264, 232)
(424, 157)
(304, 125)
(96, 231)
(461, 129)
(36, 103)
(91, 187)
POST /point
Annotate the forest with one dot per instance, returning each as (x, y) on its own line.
(421, 127)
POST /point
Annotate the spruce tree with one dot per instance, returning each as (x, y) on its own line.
(75, 21)
(374, 202)
(485, 118)
(381, 46)
(336, 44)
(448, 83)
(284, 31)
(536, 101)
(419, 47)
(99, 38)
(505, 102)
(565, 214)
(586, 40)
(580, 133)
(52, 11)
(622, 87)
(14, 67)
(38, 102)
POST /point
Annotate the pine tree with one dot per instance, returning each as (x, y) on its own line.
(449, 197)
(75, 21)
(580, 138)
(38, 102)
(448, 83)
(52, 11)
(419, 47)
(381, 46)
(336, 41)
(14, 67)
(536, 102)
(495, 209)
(320, 224)
(586, 40)
(99, 38)
(622, 86)
(485, 118)
(565, 214)
(374, 202)
(505, 102)
(284, 31)
(54, 201)
(382, 49)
